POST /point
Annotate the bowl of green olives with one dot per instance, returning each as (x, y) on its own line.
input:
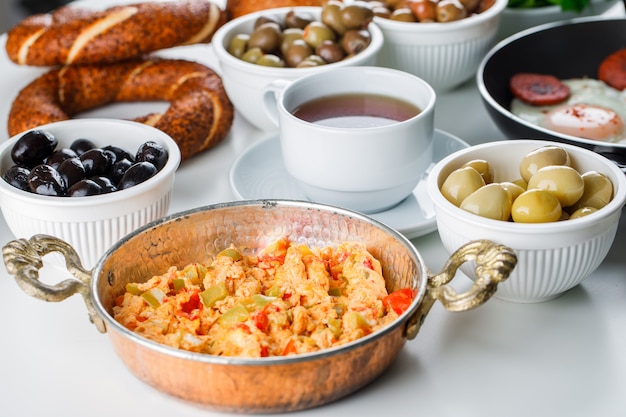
(89, 182)
(440, 41)
(556, 205)
(284, 44)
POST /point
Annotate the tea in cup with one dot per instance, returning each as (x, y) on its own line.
(355, 137)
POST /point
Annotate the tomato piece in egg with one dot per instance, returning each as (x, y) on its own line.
(585, 120)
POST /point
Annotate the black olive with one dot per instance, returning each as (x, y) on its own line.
(152, 152)
(33, 147)
(105, 183)
(136, 174)
(120, 153)
(83, 188)
(80, 146)
(118, 169)
(96, 161)
(57, 157)
(45, 180)
(17, 176)
(72, 171)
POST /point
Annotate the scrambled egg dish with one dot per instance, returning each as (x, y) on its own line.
(288, 299)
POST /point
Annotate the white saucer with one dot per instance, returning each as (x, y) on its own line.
(259, 173)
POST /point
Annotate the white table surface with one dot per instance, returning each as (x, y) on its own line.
(565, 357)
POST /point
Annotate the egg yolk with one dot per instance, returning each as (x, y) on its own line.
(586, 121)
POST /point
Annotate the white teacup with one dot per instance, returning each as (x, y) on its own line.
(364, 168)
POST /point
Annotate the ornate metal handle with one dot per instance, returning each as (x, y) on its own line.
(494, 264)
(23, 259)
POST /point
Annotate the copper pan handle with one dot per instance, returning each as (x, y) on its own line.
(23, 260)
(494, 264)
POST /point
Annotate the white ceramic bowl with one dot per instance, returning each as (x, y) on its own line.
(91, 224)
(443, 54)
(245, 83)
(516, 20)
(552, 257)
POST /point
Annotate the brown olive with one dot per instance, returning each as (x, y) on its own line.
(331, 16)
(298, 20)
(383, 12)
(238, 44)
(484, 5)
(564, 182)
(403, 15)
(461, 183)
(536, 206)
(289, 35)
(598, 191)
(266, 37)
(356, 16)
(424, 10)
(297, 52)
(470, 5)
(330, 52)
(450, 10)
(267, 19)
(541, 157)
(355, 41)
(491, 201)
(317, 32)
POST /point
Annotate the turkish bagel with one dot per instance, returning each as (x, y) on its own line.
(198, 117)
(78, 35)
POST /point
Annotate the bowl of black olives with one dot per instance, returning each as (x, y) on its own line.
(556, 205)
(282, 44)
(87, 181)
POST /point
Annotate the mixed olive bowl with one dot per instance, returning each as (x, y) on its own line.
(553, 257)
(246, 82)
(257, 385)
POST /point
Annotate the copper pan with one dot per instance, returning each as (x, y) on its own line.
(256, 385)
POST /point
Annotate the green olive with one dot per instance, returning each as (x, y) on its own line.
(582, 212)
(312, 61)
(331, 16)
(356, 16)
(520, 182)
(536, 206)
(317, 32)
(450, 11)
(297, 52)
(598, 191)
(491, 201)
(252, 55)
(483, 167)
(461, 183)
(355, 41)
(564, 182)
(267, 37)
(541, 157)
(513, 189)
(270, 60)
(238, 44)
